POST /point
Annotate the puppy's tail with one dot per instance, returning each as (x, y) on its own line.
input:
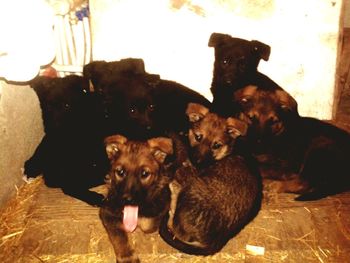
(178, 244)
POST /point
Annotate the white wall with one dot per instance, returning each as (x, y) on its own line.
(172, 36)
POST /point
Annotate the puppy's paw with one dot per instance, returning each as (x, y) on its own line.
(131, 259)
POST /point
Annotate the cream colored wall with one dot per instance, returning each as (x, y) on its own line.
(172, 36)
(21, 130)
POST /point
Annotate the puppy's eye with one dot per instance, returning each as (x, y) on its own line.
(198, 137)
(217, 145)
(225, 62)
(66, 106)
(151, 107)
(132, 110)
(244, 100)
(119, 172)
(145, 174)
(284, 107)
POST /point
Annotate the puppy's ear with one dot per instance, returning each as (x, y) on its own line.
(113, 144)
(134, 65)
(287, 101)
(161, 148)
(261, 49)
(94, 72)
(152, 79)
(217, 39)
(196, 112)
(236, 128)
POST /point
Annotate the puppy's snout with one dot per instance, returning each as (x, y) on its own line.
(253, 116)
(128, 199)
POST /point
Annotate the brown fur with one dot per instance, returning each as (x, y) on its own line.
(211, 205)
(310, 156)
(211, 137)
(139, 177)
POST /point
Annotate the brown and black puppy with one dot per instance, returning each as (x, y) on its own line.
(211, 205)
(309, 155)
(236, 62)
(138, 193)
(211, 137)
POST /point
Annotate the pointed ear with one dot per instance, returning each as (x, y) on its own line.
(161, 148)
(287, 101)
(236, 128)
(113, 144)
(196, 112)
(135, 65)
(262, 49)
(217, 39)
(94, 72)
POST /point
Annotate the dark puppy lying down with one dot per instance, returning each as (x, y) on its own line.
(212, 204)
(138, 193)
(309, 155)
(71, 154)
(139, 104)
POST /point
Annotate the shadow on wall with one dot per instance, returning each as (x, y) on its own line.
(21, 130)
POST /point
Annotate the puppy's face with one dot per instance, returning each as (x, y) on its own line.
(60, 98)
(211, 137)
(137, 168)
(129, 102)
(235, 59)
(267, 112)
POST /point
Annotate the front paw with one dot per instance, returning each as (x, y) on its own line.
(131, 259)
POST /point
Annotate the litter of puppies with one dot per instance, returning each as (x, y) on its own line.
(172, 156)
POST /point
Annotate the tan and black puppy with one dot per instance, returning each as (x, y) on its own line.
(211, 137)
(309, 155)
(211, 205)
(138, 193)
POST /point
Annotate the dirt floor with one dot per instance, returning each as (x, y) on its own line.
(42, 224)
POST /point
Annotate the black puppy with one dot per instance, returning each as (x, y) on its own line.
(71, 155)
(138, 104)
(139, 194)
(310, 156)
(235, 66)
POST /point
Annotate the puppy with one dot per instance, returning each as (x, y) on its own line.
(60, 99)
(73, 138)
(138, 193)
(310, 156)
(235, 66)
(138, 104)
(211, 205)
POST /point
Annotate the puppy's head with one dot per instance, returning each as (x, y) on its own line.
(137, 171)
(61, 99)
(211, 137)
(267, 112)
(129, 103)
(96, 71)
(235, 59)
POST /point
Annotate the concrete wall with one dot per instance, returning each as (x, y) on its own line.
(172, 36)
(21, 130)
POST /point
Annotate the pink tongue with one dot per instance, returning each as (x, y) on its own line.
(130, 217)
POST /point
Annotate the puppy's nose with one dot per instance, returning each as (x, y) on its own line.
(127, 198)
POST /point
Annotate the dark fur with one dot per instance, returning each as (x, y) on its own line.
(211, 205)
(311, 156)
(71, 154)
(141, 105)
(139, 176)
(236, 61)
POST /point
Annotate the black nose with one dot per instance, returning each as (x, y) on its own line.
(127, 198)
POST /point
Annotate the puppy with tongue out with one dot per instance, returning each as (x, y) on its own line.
(138, 194)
